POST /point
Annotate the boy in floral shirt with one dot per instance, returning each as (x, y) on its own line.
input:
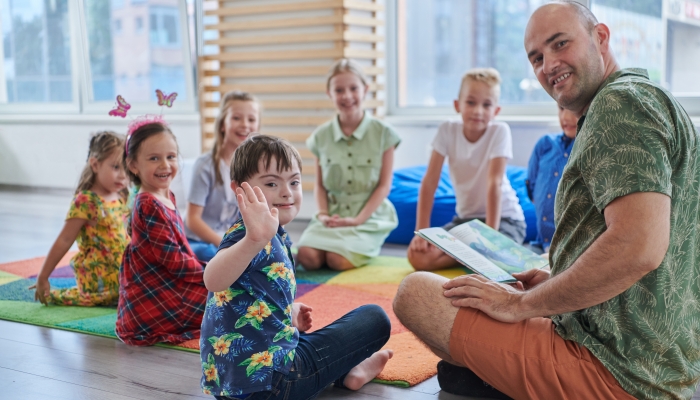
(250, 344)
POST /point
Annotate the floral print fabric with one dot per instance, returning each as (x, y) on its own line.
(101, 244)
(247, 330)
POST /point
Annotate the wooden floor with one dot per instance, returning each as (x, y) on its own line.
(43, 363)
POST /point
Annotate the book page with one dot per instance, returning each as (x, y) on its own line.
(464, 233)
(497, 248)
(464, 254)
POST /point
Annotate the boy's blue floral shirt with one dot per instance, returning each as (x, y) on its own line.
(247, 330)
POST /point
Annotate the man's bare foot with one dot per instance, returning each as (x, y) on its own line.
(367, 369)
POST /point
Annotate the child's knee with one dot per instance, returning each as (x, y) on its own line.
(338, 263)
(310, 258)
(430, 260)
(373, 318)
(419, 260)
(379, 319)
(413, 257)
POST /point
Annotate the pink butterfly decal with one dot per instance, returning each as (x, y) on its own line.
(122, 108)
(164, 100)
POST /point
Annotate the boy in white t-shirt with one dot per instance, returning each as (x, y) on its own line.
(477, 151)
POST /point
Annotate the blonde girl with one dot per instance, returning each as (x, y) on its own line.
(96, 221)
(354, 161)
(211, 204)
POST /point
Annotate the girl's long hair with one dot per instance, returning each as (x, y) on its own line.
(226, 100)
(103, 145)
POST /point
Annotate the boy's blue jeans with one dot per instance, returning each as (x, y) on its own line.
(327, 355)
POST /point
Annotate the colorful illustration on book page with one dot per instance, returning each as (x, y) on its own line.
(502, 251)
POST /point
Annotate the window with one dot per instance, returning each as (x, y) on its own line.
(432, 43)
(126, 64)
(41, 40)
(36, 47)
(669, 48)
(438, 40)
(138, 21)
(683, 59)
(164, 27)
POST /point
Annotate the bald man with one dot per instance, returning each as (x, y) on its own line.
(619, 317)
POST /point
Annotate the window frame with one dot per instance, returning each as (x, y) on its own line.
(519, 112)
(82, 79)
(56, 107)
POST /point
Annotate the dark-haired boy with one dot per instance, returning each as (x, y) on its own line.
(250, 344)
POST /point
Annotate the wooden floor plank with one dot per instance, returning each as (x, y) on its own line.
(88, 345)
(104, 371)
(21, 385)
(91, 363)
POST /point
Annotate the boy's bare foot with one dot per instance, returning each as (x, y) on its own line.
(367, 369)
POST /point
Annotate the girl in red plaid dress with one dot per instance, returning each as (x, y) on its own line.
(162, 294)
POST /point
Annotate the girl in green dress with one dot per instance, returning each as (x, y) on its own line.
(354, 162)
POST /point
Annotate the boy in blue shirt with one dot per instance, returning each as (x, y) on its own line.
(550, 155)
(250, 344)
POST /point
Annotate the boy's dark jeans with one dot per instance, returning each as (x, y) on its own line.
(327, 355)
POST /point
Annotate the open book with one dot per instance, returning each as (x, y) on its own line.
(484, 250)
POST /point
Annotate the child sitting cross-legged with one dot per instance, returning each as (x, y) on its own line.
(251, 346)
(477, 149)
(354, 159)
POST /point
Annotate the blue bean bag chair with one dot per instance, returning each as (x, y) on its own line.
(404, 196)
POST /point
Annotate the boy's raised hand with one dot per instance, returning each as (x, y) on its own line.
(261, 222)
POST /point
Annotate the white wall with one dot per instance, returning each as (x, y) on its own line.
(50, 151)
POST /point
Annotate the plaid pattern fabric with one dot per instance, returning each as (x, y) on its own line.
(161, 294)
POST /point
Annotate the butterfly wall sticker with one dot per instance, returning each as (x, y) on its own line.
(165, 100)
(122, 108)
